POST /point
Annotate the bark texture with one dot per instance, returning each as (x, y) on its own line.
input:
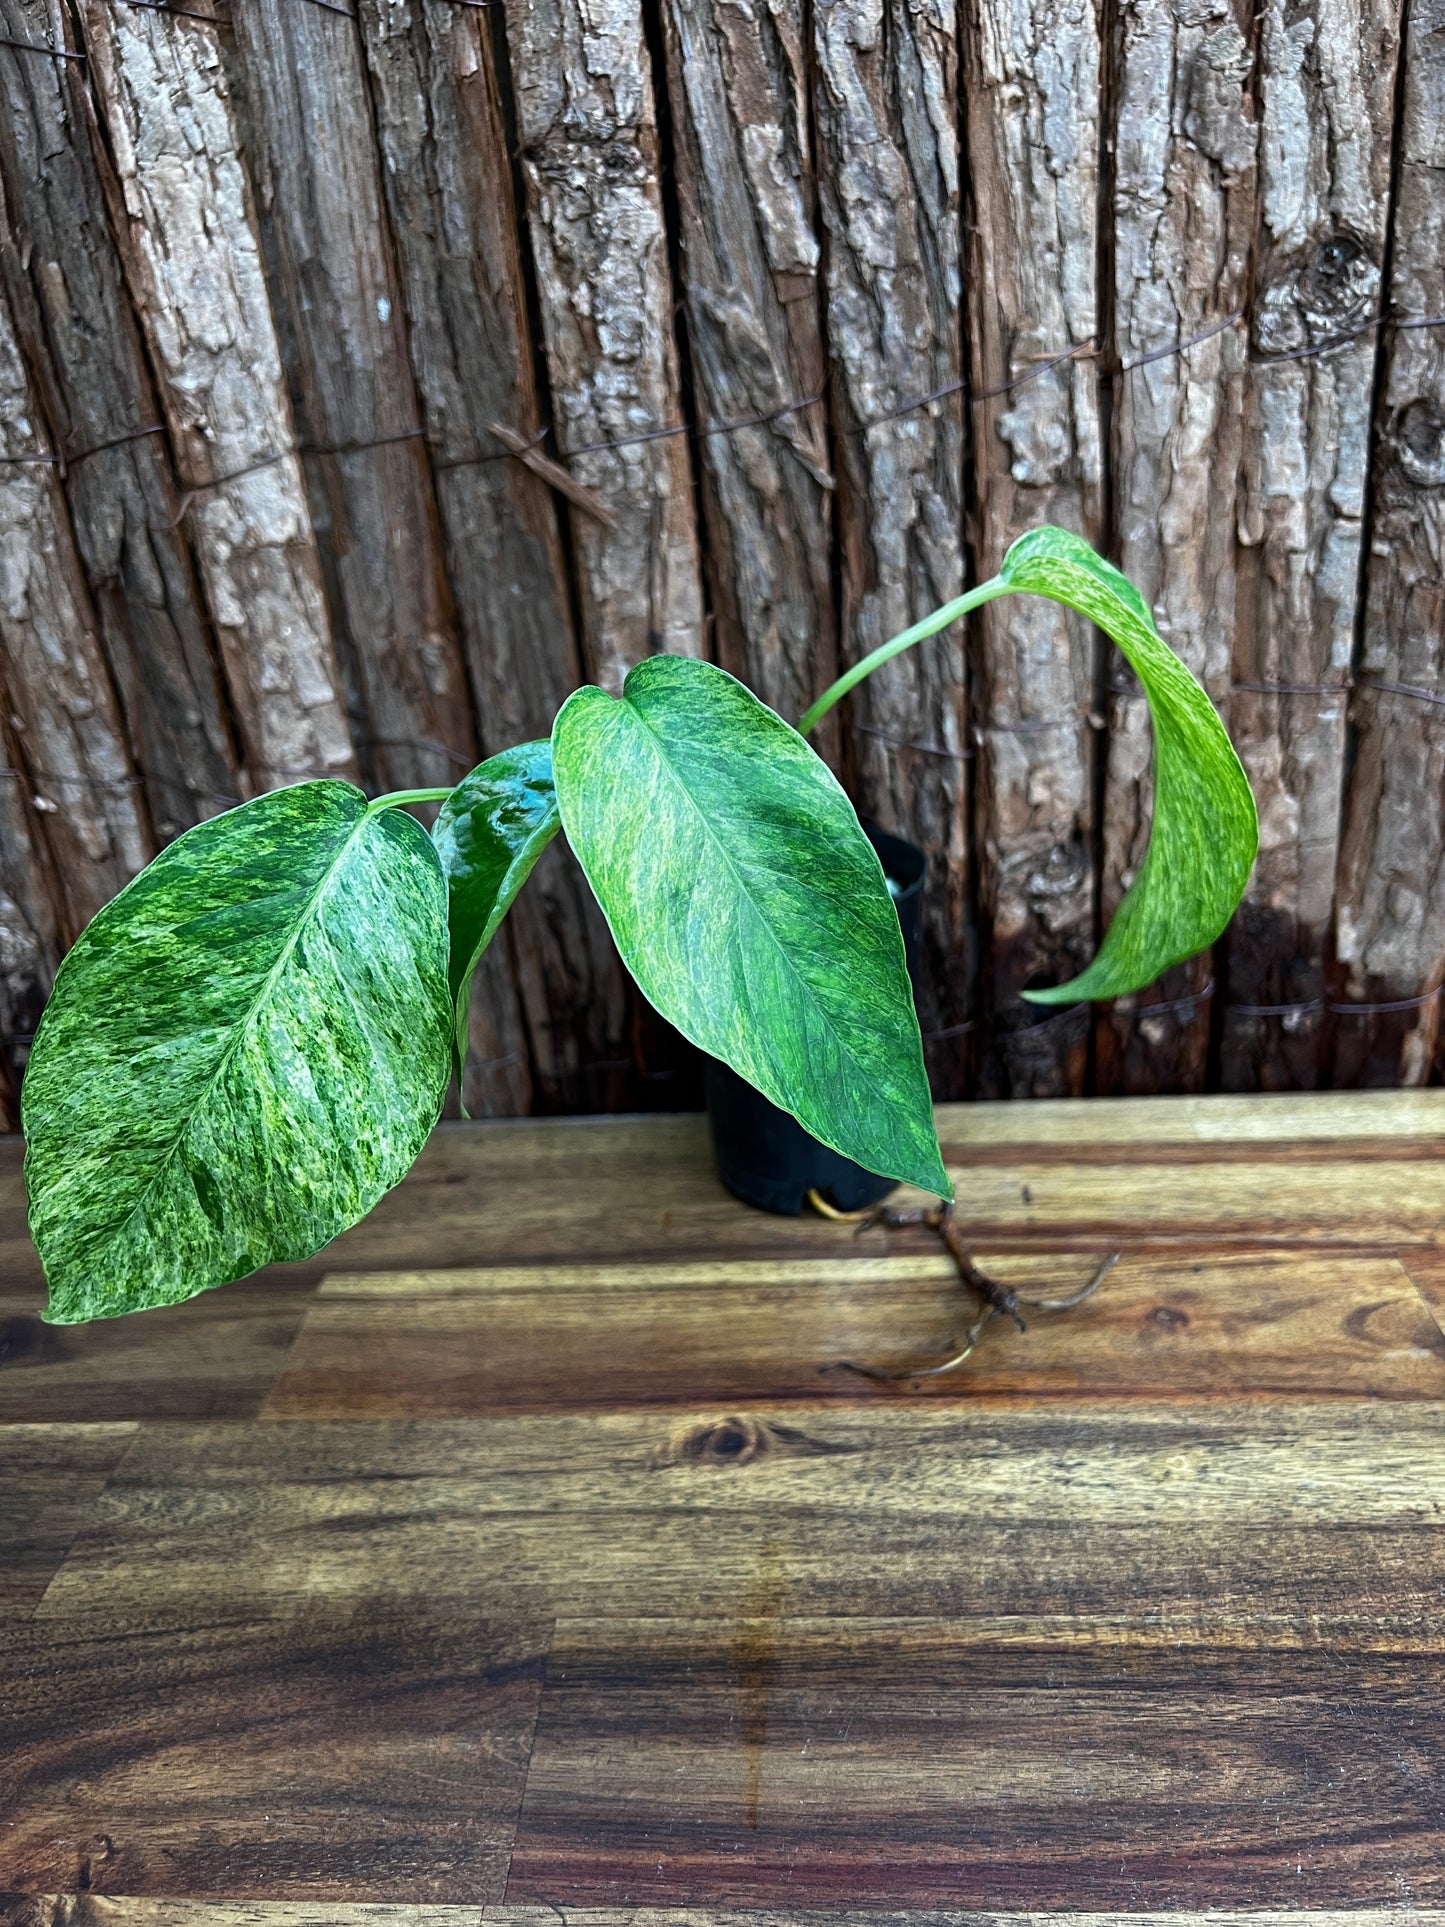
(587, 125)
(886, 106)
(30, 938)
(1183, 209)
(1033, 118)
(1328, 80)
(737, 78)
(183, 214)
(83, 349)
(318, 187)
(64, 724)
(447, 179)
(1390, 934)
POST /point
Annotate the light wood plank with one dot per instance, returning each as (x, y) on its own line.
(1319, 1168)
(568, 1338)
(993, 1506)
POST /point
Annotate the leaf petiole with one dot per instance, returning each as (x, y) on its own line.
(895, 646)
(398, 799)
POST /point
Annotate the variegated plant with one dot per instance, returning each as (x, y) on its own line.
(252, 1042)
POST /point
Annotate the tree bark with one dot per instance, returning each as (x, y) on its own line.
(63, 722)
(588, 131)
(1390, 934)
(1328, 79)
(448, 184)
(182, 215)
(80, 341)
(737, 80)
(886, 98)
(30, 940)
(1033, 120)
(1184, 215)
(336, 285)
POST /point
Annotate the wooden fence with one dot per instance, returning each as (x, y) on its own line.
(373, 371)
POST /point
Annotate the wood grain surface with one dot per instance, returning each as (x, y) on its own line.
(539, 1554)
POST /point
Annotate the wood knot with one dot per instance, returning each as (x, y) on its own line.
(1169, 1318)
(729, 1441)
(1323, 298)
(742, 1441)
(1420, 444)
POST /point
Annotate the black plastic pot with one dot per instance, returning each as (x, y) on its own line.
(764, 1156)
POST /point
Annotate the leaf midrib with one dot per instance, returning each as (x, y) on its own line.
(122, 1225)
(712, 836)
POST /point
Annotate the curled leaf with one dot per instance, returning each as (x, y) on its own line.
(1205, 831)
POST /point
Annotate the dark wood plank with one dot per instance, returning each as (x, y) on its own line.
(352, 1754)
(598, 1337)
(215, 1357)
(901, 1508)
(50, 1479)
(100, 1910)
(988, 1764)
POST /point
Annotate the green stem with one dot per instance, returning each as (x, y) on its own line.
(399, 798)
(886, 651)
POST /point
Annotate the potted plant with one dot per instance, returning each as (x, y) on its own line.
(251, 1043)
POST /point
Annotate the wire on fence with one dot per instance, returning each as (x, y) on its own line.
(35, 47)
(1003, 1032)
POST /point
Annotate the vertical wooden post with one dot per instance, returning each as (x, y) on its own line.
(80, 341)
(1183, 213)
(1390, 935)
(886, 101)
(336, 285)
(449, 187)
(737, 80)
(1032, 89)
(183, 220)
(63, 727)
(588, 128)
(1328, 81)
(30, 939)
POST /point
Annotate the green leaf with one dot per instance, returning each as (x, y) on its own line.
(749, 905)
(243, 1051)
(1205, 832)
(491, 830)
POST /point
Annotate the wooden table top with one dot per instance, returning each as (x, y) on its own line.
(537, 1550)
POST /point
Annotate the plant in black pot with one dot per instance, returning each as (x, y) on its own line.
(763, 1155)
(252, 1042)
